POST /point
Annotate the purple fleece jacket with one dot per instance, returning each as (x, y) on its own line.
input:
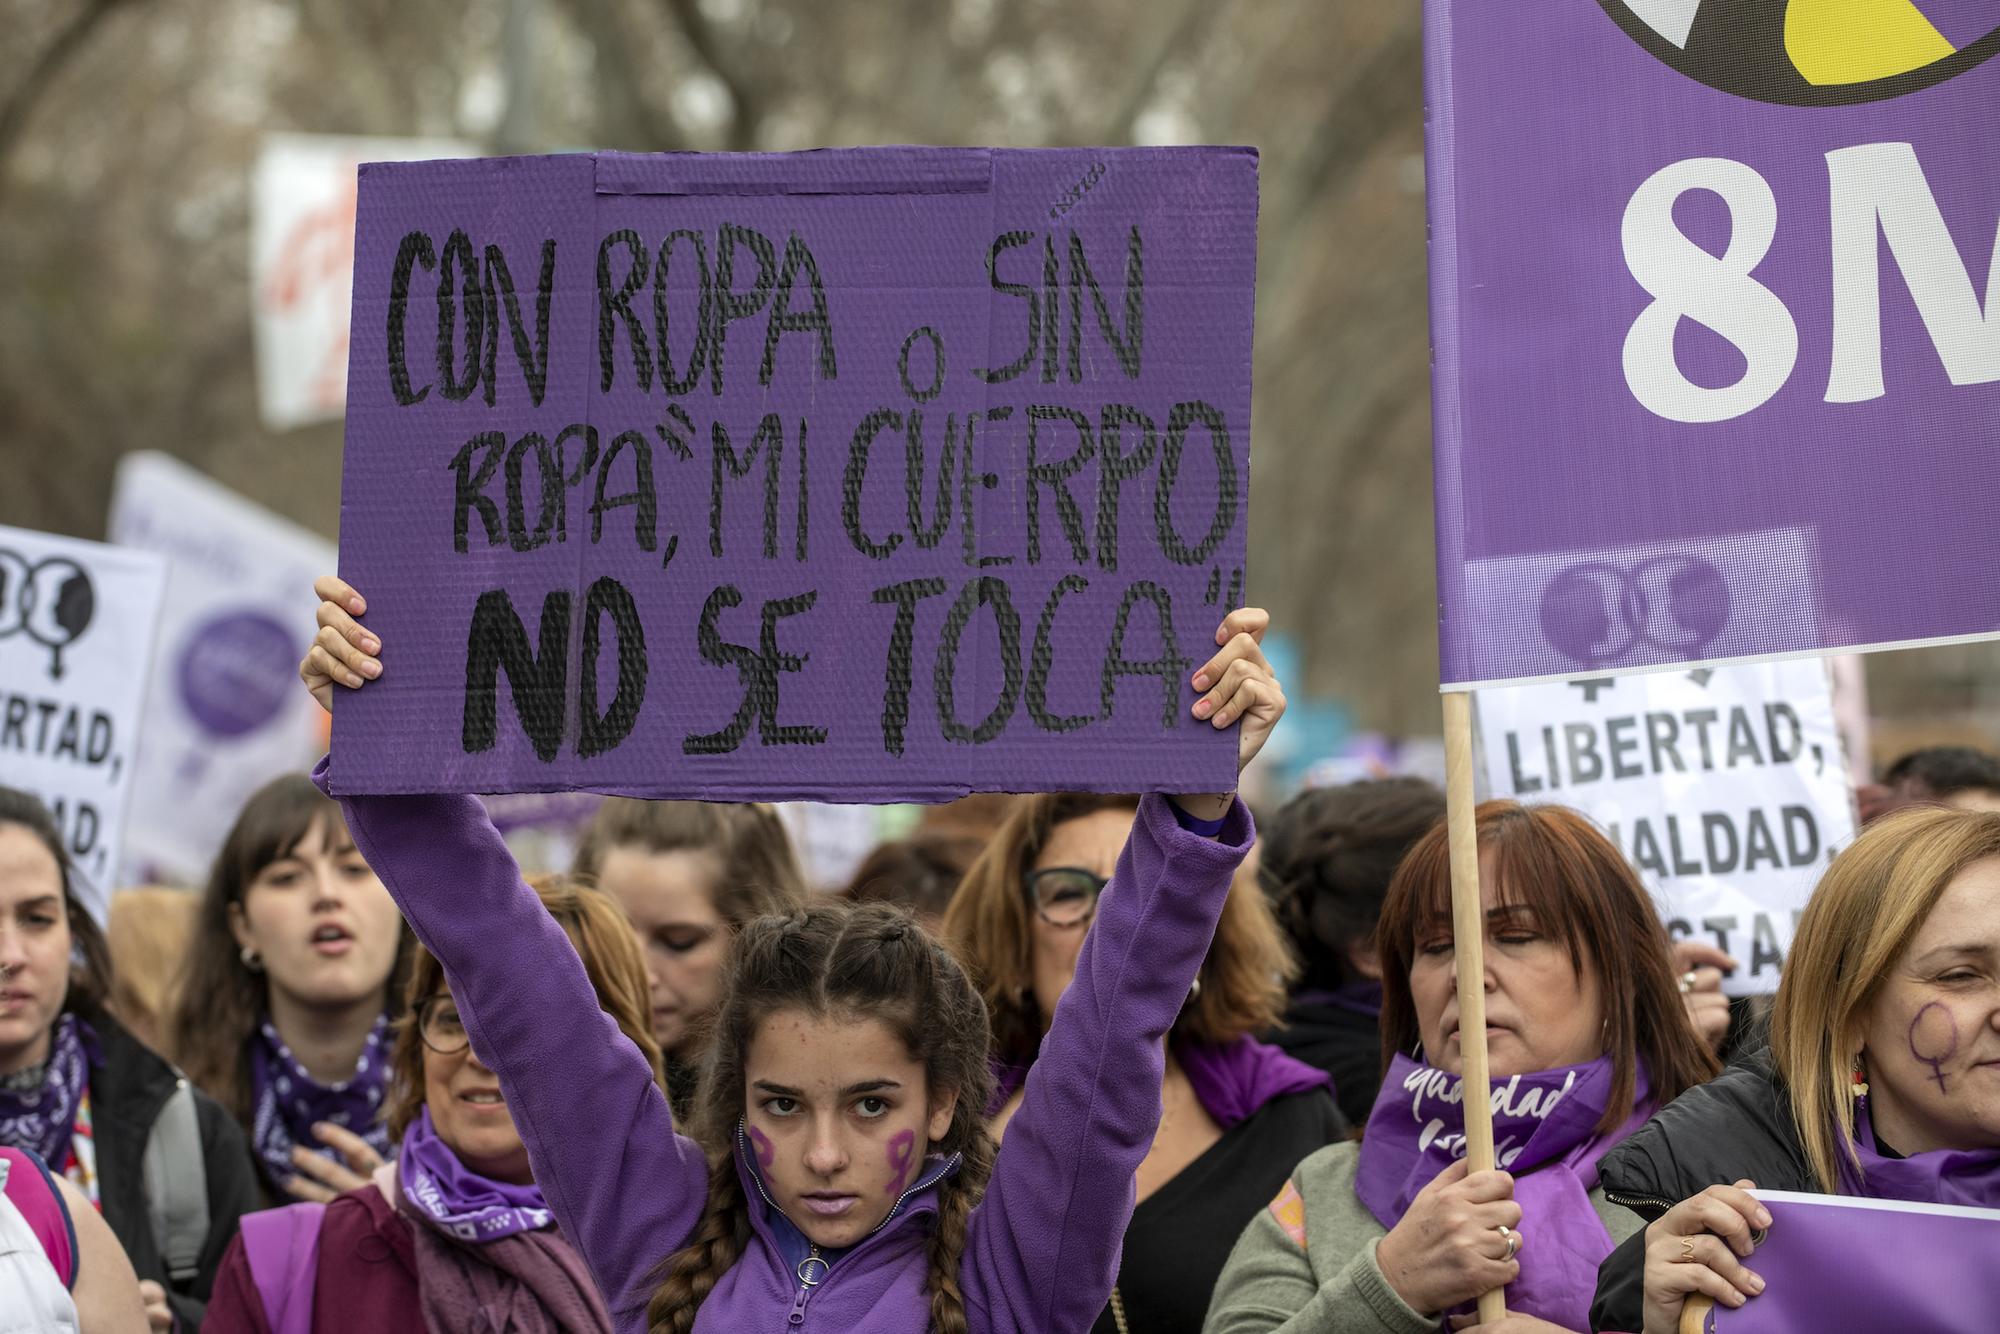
(1043, 1247)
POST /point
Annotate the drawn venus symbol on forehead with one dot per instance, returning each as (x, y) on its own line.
(902, 1155)
(1934, 1039)
(767, 1153)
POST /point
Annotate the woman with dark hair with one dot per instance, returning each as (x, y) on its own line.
(1586, 1036)
(1328, 859)
(292, 981)
(690, 875)
(920, 873)
(454, 1234)
(1236, 1114)
(92, 1102)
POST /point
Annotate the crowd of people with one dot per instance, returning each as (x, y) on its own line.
(1081, 1062)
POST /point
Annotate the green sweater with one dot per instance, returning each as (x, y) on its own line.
(1332, 1284)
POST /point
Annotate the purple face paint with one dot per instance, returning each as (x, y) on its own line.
(1934, 1039)
(902, 1156)
(767, 1153)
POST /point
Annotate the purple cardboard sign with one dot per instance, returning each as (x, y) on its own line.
(1837, 1262)
(1717, 349)
(852, 475)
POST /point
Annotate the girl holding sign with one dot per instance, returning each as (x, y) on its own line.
(1587, 1035)
(841, 1177)
(1883, 1077)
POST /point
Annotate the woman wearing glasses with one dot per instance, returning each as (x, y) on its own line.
(453, 1234)
(1237, 1115)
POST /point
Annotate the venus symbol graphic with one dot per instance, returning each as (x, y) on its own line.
(1814, 52)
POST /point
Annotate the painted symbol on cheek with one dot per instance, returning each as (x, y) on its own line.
(1934, 1039)
(767, 1153)
(902, 1156)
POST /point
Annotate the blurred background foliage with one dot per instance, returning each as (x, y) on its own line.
(128, 128)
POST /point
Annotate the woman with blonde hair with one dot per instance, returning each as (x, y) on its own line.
(1236, 1114)
(1882, 1079)
(453, 1233)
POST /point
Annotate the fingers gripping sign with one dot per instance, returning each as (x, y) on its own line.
(1238, 686)
(342, 651)
(1699, 1246)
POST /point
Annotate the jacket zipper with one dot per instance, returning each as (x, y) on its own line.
(807, 1282)
(806, 1285)
(1635, 1201)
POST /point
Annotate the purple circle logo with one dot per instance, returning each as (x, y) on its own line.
(1598, 613)
(237, 672)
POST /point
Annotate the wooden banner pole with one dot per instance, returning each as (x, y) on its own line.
(1468, 925)
(1695, 1315)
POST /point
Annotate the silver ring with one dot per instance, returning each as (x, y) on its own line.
(1688, 980)
(1513, 1240)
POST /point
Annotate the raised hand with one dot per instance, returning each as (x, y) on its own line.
(1237, 685)
(342, 651)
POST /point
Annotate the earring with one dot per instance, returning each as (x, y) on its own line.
(251, 959)
(1194, 992)
(1860, 1078)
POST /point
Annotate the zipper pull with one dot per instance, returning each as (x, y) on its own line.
(808, 1280)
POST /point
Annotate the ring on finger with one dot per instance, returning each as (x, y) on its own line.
(1688, 980)
(1686, 1256)
(1513, 1240)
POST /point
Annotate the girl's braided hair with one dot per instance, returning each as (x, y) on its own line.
(843, 961)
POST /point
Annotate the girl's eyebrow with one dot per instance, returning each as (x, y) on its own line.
(778, 1090)
(870, 1086)
(41, 901)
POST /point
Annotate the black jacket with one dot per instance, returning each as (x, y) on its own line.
(129, 1086)
(1341, 1041)
(1734, 1127)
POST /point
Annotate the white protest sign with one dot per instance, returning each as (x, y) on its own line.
(225, 712)
(302, 265)
(76, 643)
(1726, 787)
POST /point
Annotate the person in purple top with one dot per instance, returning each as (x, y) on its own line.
(850, 1173)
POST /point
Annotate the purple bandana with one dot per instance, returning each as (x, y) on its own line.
(1544, 1133)
(451, 1197)
(44, 1119)
(288, 1101)
(1232, 1081)
(1941, 1176)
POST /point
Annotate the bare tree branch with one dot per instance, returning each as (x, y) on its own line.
(19, 104)
(1173, 37)
(624, 113)
(748, 108)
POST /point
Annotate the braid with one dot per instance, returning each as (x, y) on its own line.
(947, 1245)
(692, 1271)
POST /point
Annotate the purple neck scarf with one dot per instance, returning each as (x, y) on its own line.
(286, 1101)
(1544, 1133)
(44, 1118)
(443, 1192)
(1941, 1176)
(1231, 1080)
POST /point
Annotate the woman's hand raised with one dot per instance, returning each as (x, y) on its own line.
(1237, 685)
(1448, 1247)
(1698, 1246)
(342, 651)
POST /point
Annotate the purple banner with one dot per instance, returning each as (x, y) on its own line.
(852, 475)
(1841, 1263)
(1717, 350)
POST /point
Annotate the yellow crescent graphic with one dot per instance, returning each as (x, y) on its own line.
(1856, 41)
